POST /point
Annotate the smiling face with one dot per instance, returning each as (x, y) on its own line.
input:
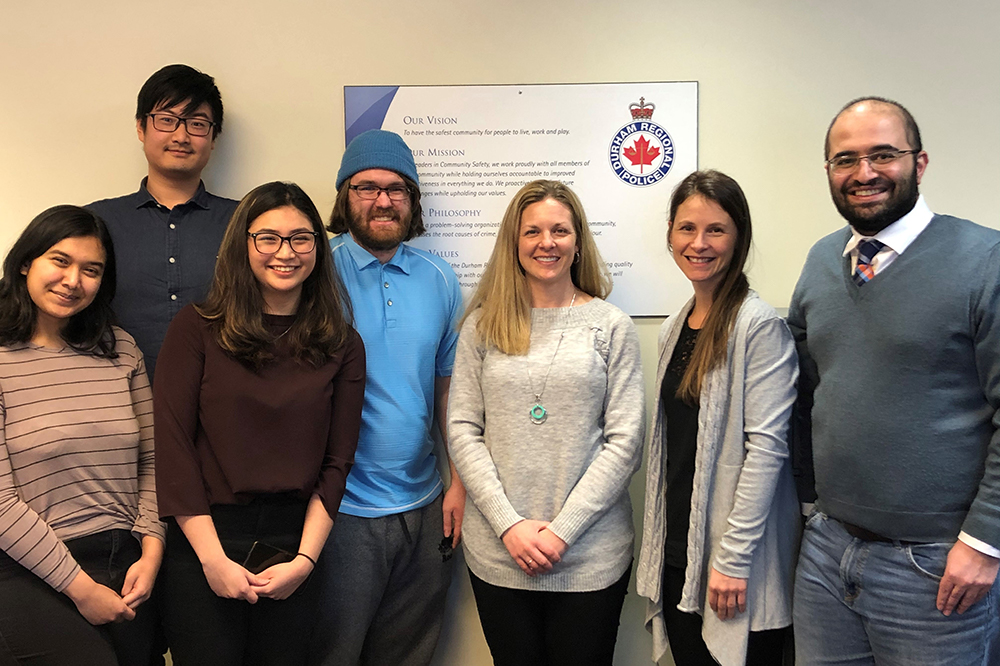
(380, 224)
(64, 281)
(547, 244)
(281, 274)
(702, 239)
(871, 199)
(176, 154)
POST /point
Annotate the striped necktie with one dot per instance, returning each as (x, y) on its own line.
(867, 250)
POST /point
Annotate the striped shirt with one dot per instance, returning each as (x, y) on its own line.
(76, 452)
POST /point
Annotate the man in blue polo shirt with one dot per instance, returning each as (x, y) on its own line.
(167, 234)
(387, 564)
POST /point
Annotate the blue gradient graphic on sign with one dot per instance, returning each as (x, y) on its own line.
(365, 108)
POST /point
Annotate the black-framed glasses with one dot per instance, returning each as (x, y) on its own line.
(268, 242)
(370, 192)
(166, 122)
(879, 159)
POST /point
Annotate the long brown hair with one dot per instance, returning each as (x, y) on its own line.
(711, 348)
(235, 304)
(503, 294)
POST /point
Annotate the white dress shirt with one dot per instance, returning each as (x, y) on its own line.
(897, 237)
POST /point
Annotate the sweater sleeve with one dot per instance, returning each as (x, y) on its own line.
(147, 521)
(620, 455)
(345, 424)
(180, 490)
(24, 535)
(768, 396)
(800, 425)
(467, 434)
(983, 520)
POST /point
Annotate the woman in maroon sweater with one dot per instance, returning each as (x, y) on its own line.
(257, 400)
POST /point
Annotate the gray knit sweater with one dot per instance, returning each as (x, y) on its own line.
(572, 470)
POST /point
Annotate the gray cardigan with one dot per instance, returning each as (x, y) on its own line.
(744, 512)
(572, 470)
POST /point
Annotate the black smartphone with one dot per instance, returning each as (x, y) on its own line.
(263, 555)
(446, 549)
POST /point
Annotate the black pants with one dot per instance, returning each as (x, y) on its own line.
(764, 648)
(203, 628)
(526, 628)
(40, 626)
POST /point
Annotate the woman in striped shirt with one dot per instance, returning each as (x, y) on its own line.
(80, 538)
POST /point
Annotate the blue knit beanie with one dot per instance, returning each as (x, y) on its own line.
(377, 149)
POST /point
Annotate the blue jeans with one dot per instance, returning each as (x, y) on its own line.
(861, 603)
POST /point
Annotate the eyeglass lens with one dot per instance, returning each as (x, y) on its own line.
(876, 160)
(394, 192)
(194, 126)
(271, 243)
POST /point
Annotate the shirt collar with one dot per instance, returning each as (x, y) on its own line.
(144, 198)
(363, 258)
(900, 234)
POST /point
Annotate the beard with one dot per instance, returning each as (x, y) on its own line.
(869, 220)
(380, 240)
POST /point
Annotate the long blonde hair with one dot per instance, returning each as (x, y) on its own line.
(503, 297)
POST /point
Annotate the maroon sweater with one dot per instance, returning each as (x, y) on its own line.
(225, 434)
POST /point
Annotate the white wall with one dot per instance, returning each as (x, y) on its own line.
(772, 74)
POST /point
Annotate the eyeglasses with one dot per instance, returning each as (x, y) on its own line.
(267, 242)
(877, 160)
(370, 192)
(194, 126)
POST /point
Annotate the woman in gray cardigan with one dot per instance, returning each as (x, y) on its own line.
(545, 429)
(721, 516)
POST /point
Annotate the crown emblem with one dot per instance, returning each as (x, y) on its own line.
(641, 111)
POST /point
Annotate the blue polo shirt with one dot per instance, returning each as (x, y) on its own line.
(406, 311)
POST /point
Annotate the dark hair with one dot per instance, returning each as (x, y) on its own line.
(909, 124)
(89, 330)
(711, 348)
(340, 217)
(235, 303)
(175, 84)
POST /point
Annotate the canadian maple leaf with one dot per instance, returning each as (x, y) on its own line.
(641, 153)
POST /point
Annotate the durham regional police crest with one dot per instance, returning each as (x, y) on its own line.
(641, 152)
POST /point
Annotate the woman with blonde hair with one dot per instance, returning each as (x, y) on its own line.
(545, 429)
(720, 525)
(257, 397)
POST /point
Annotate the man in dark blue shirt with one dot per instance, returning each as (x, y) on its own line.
(167, 234)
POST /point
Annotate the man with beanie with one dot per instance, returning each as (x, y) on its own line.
(897, 319)
(387, 564)
(167, 234)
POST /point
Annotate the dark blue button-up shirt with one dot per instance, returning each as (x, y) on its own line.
(165, 258)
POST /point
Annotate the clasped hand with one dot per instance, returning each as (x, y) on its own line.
(231, 581)
(534, 547)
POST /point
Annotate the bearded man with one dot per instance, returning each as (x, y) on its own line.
(897, 320)
(387, 564)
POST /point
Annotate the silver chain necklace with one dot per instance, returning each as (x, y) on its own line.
(538, 413)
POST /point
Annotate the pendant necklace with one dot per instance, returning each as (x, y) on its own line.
(538, 413)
